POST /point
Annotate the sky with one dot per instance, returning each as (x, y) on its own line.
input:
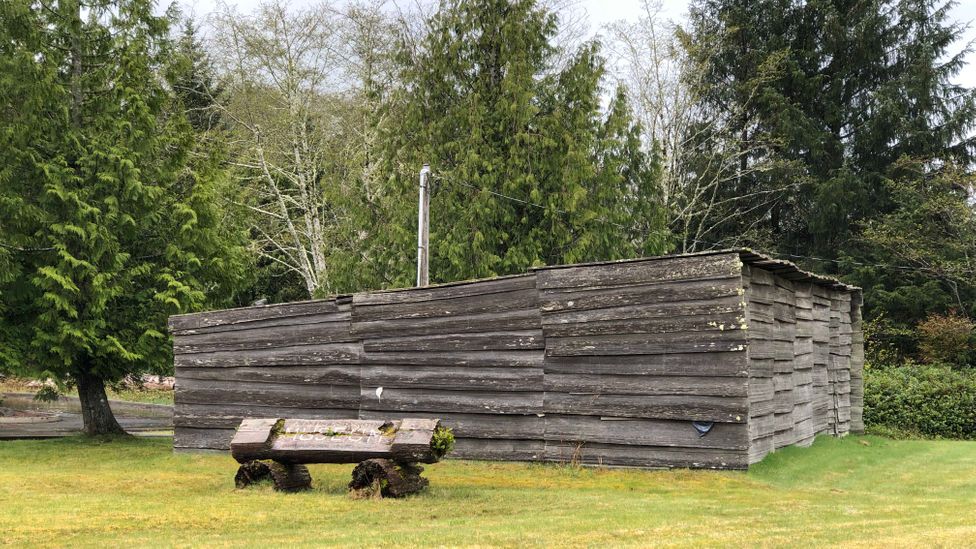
(603, 12)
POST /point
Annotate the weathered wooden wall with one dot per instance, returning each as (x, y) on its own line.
(802, 361)
(605, 363)
(635, 352)
(297, 360)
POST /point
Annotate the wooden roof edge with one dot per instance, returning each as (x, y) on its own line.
(746, 255)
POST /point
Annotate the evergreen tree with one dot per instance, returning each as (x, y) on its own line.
(858, 86)
(528, 169)
(109, 227)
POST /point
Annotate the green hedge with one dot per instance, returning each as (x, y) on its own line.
(932, 401)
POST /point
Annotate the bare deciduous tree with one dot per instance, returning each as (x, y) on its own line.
(706, 151)
(298, 95)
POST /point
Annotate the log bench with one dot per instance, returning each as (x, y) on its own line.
(387, 452)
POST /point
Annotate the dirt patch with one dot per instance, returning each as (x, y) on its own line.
(10, 415)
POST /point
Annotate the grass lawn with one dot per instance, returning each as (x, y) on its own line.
(858, 491)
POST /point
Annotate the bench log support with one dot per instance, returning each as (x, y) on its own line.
(387, 453)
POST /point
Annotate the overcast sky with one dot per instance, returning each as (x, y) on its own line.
(603, 12)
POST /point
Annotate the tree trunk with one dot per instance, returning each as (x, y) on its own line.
(95, 411)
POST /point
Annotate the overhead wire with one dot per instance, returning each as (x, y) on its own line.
(708, 244)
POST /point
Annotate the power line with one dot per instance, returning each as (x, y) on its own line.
(708, 244)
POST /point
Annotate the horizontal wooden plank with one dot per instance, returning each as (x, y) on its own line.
(287, 321)
(722, 290)
(490, 341)
(265, 338)
(498, 449)
(251, 314)
(438, 400)
(507, 321)
(646, 344)
(195, 391)
(717, 322)
(230, 415)
(664, 309)
(453, 291)
(732, 364)
(299, 355)
(513, 359)
(458, 378)
(653, 270)
(315, 375)
(477, 304)
(646, 385)
(202, 439)
(644, 432)
(620, 455)
(504, 426)
(691, 408)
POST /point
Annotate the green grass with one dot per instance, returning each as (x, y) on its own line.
(859, 491)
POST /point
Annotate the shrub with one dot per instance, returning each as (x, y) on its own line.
(945, 339)
(932, 401)
(887, 343)
(443, 442)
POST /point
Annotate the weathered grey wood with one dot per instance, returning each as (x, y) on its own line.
(484, 426)
(732, 363)
(265, 338)
(499, 449)
(250, 314)
(646, 385)
(498, 285)
(281, 322)
(435, 400)
(457, 378)
(691, 408)
(221, 416)
(718, 322)
(724, 290)
(202, 439)
(229, 416)
(507, 321)
(644, 432)
(197, 391)
(334, 441)
(492, 341)
(302, 355)
(316, 375)
(488, 303)
(646, 344)
(619, 356)
(531, 358)
(645, 456)
(569, 314)
(651, 270)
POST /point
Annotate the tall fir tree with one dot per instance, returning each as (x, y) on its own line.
(528, 168)
(109, 227)
(857, 86)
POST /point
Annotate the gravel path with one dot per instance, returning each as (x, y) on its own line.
(136, 418)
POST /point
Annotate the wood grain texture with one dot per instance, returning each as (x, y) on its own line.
(644, 432)
(623, 455)
(250, 314)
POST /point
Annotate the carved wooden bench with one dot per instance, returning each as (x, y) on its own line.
(387, 452)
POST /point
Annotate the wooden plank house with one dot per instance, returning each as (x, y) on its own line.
(710, 359)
